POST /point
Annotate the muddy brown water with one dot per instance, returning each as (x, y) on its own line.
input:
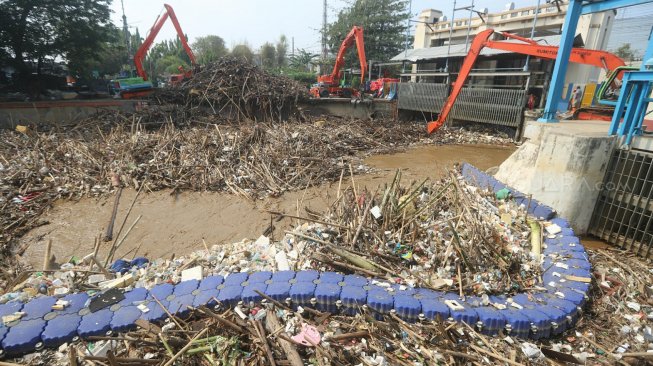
(179, 223)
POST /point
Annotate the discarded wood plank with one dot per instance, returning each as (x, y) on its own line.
(48, 255)
(108, 235)
(290, 350)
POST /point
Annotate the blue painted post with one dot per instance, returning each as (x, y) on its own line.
(562, 61)
(633, 102)
(621, 104)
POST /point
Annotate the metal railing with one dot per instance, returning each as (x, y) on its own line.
(486, 105)
(623, 215)
(422, 97)
(495, 106)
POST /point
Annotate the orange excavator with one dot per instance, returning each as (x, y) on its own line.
(328, 85)
(136, 87)
(142, 50)
(602, 59)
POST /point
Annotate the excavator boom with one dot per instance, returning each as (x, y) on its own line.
(147, 43)
(601, 59)
(356, 34)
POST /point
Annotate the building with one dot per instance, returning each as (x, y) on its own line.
(440, 45)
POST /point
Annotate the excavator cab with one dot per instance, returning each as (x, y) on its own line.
(609, 91)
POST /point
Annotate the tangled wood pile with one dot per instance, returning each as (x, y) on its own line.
(235, 88)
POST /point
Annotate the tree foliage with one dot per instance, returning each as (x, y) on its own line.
(209, 48)
(32, 31)
(166, 57)
(268, 55)
(625, 52)
(243, 51)
(384, 27)
(302, 60)
(282, 50)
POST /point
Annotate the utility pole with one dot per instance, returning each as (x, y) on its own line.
(537, 11)
(453, 15)
(469, 24)
(325, 51)
(125, 29)
(410, 15)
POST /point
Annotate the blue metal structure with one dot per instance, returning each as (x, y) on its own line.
(632, 104)
(575, 9)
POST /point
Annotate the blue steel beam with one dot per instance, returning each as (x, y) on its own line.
(599, 6)
(562, 61)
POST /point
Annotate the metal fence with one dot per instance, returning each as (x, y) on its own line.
(495, 106)
(623, 215)
(422, 97)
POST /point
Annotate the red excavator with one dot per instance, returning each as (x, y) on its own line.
(613, 65)
(139, 86)
(142, 50)
(328, 85)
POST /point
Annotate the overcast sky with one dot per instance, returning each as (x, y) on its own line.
(259, 21)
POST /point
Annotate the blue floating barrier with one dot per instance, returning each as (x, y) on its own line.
(306, 276)
(331, 277)
(229, 296)
(249, 295)
(301, 293)
(282, 276)
(61, 329)
(327, 293)
(407, 307)
(235, 279)
(435, 308)
(355, 280)
(161, 292)
(257, 277)
(123, 318)
(96, 323)
(179, 305)
(490, 320)
(517, 324)
(155, 312)
(136, 295)
(353, 296)
(205, 297)
(10, 307)
(278, 291)
(185, 287)
(210, 283)
(380, 301)
(23, 337)
(38, 307)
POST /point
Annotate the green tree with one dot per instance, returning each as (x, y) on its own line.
(384, 28)
(282, 50)
(243, 51)
(32, 31)
(268, 55)
(209, 48)
(302, 60)
(625, 52)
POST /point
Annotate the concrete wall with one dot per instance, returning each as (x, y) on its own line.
(562, 165)
(58, 112)
(342, 107)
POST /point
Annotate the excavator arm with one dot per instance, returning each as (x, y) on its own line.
(147, 43)
(601, 59)
(356, 34)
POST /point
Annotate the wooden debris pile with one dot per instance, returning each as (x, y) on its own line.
(239, 89)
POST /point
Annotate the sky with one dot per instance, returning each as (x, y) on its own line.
(260, 21)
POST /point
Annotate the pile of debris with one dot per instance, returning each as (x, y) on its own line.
(238, 89)
(363, 234)
(347, 239)
(252, 160)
